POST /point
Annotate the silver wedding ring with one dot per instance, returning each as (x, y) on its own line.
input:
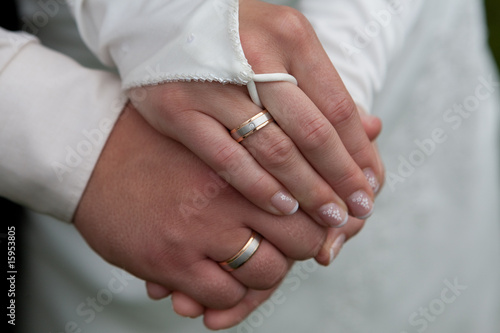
(251, 126)
(243, 255)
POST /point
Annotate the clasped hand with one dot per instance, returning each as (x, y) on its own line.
(317, 154)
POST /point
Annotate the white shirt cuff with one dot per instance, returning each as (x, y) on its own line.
(55, 119)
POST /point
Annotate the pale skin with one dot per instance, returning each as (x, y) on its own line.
(130, 215)
(318, 153)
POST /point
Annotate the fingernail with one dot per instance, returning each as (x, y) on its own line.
(360, 204)
(336, 247)
(333, 215)
(285, 203)
(372, 179)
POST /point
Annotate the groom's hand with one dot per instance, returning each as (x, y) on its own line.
(154, 209)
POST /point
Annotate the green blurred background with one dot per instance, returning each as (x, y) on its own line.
(493, 16)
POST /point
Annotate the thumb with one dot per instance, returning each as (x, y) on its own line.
(372, 124)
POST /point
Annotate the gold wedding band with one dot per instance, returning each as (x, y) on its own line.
(251, 126)
(243, 255)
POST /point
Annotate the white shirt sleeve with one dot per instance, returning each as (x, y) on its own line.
(155, 41)
(55, 117)
(362, 37)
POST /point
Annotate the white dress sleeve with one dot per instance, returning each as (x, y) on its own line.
(55, 117)
(362, 37)
(155, 41)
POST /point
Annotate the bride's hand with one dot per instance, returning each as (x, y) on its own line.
(316, 154)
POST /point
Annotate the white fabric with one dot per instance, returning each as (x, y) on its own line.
(200, 41)
(50, 136)
(365, 44)
(178, 50)
(174, 43)
(427, 261)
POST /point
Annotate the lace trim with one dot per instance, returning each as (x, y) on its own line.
(180, 78)
(234, 36)
(245, 77)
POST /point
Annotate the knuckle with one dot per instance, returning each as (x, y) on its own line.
(310, 248)
(305, 240)
(257, 187)
(287, 30)
(169, 101)
(216, 294)
(291, 24)
(362, 152)
(349, 179)
(315, 246)
(340, 109)
(226, 154)
(160, 257)
(318, 133)
(278, 153)
(270, 274)
(321, 193)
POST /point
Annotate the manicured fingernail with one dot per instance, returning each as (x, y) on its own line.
(285, 203)
(333, 215)
(336, 247)
(372, 179)
(360, 204)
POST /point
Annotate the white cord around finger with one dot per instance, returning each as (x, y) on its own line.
(273, 77)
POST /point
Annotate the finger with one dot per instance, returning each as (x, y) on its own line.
(157, 291)
(206, 283)
(280, 164)
(332, 98)
(380, 165)
(296, 236)
(266, 266)
(188, 117)
(275, 152)
(372, 126)
(336, 239)
(303, 56)
(185, 306)
(221, 319)
(319, 142)
(210, 141)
